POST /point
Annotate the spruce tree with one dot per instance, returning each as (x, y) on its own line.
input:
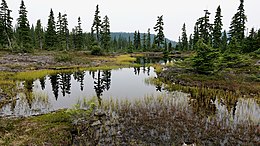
(139, 40)
(217, 29)
(65, 31)
(105, 34)
(144, 42)
(51, 36)
(60, 35)
(23, 29)
(33, 37)
(39, 35)
(237, 26)
(196, 34)
(79, 35)
(184, 39)
(135, 40)
(159, 38)
(205, 27)
(96, 27)
(148, 46)
(6, 32)
(224, 41)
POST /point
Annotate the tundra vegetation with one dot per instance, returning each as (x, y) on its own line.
(211, 65)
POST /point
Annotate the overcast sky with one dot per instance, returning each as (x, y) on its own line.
(131, 15)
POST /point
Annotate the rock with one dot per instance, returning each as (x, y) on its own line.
(96, 123)
(258, 62)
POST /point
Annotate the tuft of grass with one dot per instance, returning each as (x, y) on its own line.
(158, 68)
(32, 75)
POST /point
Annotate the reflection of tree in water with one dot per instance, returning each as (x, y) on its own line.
(65, 83)
(231, 103)
(92, 73)
(42, 82)
(99, 86)
(203, 103)
(79, 77)
(106, 78)
(137, 70)
(28, 85)
(55, 85)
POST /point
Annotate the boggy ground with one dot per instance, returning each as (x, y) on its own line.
(152, 121)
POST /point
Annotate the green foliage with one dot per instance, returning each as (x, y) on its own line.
(96, 27)
(105, 34)
(204, 61)
(96, 50)
(23, 29)
(217, 28)
(184, 39)
(64, 57)
(50, 35)
(159, 38)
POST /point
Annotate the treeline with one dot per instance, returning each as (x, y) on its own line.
(216, 49)
(57, 36)
(212, 34)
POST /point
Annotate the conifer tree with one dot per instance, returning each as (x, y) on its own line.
(138, 40)
(224, 41)
(204, 27)
(217, 29)
(196, 34)
(237, 26)
(51, 36)
(135, 40)
(190, 47)
(23, 28)
(60, 37)
(184, 39)
(96, 27)
(159, 38)
(144, 42)
(33, 37)
(79, 35)
(6, 32)
(39, 35)
(105, 34)
(148, 46)
(65, 30)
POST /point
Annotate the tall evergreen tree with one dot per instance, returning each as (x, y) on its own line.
(144, 42)
(33, 37)
(217, 29)
(65, 30)
(23, 28)
(50, 35)
(224, 41)
(96, 27)
(159, 38)
(139, 40)
(79, 35)
(60, 34)
(148, 39)
(205, 27)
(105, 34)
(184, 39)
(237, 26)
(196, 34)
(39, 35)
(135, 40)
(6, 32)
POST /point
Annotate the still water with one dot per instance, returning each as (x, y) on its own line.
(64, 90)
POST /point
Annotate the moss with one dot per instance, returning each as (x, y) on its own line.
(50, 129)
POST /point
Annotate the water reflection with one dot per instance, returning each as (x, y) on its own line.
(63, 90)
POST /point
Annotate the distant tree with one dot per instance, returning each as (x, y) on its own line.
(65, 30)
(237, 26)
(196, 34)
(184, 39)
(23, 29)
(96, 27)
(190, 46)
(148, 39)
(105, 34)
(217, 29)
(251, 42)
(144, 42)
(224, 41)
(33, 37)
(79, 40)
(138, 40)
(60, 34)
(6, 32)
(39, 34)
(159, 38)
(135, 40)
(50, 35)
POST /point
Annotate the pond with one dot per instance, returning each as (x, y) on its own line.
(64, 90)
